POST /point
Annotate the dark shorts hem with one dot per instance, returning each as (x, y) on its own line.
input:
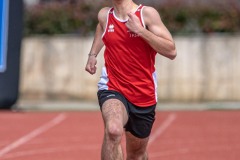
(140, 119)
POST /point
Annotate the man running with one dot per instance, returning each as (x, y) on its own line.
(127, 91)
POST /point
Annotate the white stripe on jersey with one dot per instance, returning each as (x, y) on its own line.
(154, 75)
(106, 23)
(102, 84)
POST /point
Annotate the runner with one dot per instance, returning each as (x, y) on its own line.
(132, 35)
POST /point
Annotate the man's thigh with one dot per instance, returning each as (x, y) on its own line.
(113, 110)
(113, 106)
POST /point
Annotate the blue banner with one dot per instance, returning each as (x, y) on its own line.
(4, 7)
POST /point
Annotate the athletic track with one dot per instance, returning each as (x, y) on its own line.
(179, 135)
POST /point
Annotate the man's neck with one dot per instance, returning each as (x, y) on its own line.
(123, 7)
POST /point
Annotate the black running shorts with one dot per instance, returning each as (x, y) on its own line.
(140, 119)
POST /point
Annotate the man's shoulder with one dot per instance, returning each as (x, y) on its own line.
(150, 13)
(104, 11)
(149, 10)
(102, 14)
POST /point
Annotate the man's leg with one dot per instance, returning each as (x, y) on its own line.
(115, 117)
(136, 147)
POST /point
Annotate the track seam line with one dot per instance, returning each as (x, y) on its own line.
(167, 122)
(50, 150)
(58, 119)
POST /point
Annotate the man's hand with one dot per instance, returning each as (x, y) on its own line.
(91, 64)
(134, 24)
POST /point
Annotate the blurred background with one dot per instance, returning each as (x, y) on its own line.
(58, 34)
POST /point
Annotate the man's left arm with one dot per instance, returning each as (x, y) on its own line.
(155, 34)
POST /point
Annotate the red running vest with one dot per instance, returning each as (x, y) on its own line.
(129, 62)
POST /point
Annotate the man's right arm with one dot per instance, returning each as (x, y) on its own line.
(97, 44)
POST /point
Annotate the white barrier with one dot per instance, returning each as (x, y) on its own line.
(206, 69)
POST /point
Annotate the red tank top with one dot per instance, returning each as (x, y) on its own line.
(129, 62)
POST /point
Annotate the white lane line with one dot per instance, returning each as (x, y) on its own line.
(33, 134)
(61, 149)
(167, 122)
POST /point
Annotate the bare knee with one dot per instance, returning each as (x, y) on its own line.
(137, 153)
(137, 156)
(136, 147)
(114, 131)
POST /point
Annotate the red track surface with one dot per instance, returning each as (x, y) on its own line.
(205, 135)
